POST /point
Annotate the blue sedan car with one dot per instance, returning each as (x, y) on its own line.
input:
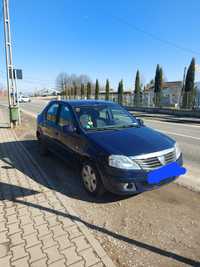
(115, 150)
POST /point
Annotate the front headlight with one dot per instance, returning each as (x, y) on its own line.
(178, 150)
(122, 162)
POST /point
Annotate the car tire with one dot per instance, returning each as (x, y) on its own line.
(91, 180)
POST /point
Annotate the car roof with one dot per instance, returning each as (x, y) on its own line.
(78, 103)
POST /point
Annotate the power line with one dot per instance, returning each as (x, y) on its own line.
(153, 36)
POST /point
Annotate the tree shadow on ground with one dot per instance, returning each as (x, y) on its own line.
(18, 192)
(12, 192)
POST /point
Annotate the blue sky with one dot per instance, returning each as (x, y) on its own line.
(104, 39)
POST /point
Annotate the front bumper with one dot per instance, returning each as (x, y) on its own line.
(125, 182)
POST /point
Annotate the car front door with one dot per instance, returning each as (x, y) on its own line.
(71, 143)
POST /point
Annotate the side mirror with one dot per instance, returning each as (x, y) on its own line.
(69, 129)
(140, 122)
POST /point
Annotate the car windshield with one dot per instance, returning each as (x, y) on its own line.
(104, 117)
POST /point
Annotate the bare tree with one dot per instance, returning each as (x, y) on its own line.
(61, 81)
(84, 79)
(65, 81)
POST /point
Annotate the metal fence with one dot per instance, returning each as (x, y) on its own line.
(150, 100)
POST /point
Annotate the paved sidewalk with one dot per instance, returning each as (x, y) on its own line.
(4, 115)
(37, 228)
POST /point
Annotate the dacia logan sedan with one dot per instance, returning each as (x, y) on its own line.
(114, 149)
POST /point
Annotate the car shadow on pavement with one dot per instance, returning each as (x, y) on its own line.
(16, 193)
(63, 176)
(19, 193)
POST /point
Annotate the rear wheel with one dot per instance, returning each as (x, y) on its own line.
(91, 180)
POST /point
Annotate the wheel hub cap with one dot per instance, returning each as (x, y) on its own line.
(89, 178)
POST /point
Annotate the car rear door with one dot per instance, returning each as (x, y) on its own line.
(50, 129)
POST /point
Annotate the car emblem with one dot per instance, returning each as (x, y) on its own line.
(162, 160)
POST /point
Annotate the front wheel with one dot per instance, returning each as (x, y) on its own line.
(92, 180)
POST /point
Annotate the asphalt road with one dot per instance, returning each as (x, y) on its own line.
(187, 135)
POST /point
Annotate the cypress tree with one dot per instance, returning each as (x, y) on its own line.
(69, 93)
(75, 90)
(107, 90)
(82, 91)
(189, 90)
(160, 78)
(65, 91)
(72, 92)
(120, 92)
(97, 89)
(158, 86)
(89, 90)
(137, 92)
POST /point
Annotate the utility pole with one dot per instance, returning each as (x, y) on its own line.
(11, 85)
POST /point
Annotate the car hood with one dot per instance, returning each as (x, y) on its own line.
(131, 141)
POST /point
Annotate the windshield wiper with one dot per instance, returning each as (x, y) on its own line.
(128, 126)
(103, 129)
(114, 128)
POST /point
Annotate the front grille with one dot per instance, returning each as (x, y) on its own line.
(155, 160)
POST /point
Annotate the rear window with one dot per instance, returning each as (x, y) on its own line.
(65, 117)
(51, 114)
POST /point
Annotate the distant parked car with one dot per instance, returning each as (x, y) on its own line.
(24, 99)
(116, 151)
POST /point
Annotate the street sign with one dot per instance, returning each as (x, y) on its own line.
(17, 74)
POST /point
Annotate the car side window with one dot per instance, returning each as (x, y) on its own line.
(103, 114)
(51, 114)
(120, 116)
(65, 117)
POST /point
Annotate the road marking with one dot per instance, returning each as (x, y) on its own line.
(182, 135)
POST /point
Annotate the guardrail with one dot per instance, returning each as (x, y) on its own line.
(175, 112)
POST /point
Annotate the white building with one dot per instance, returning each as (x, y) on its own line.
(171, 94)
(197, 102)
(48, 92)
